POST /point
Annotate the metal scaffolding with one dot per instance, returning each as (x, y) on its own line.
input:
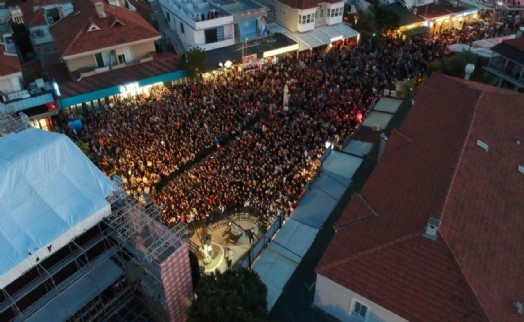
(10, 123)
(132, 238)
(139, 226)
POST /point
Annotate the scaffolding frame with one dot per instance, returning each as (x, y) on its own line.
(130, 229)
(139, 226)
(10, 122)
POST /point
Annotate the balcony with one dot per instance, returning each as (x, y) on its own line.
(187, 11)
(90, 71)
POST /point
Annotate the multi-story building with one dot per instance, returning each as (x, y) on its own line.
(507, 64)
(36, 99)
(38, 16)
(211, 24)
(106, 50)
(435, 233)
(305, 15)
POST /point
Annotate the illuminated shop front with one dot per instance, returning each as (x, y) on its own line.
(108, 95)
(453, 21)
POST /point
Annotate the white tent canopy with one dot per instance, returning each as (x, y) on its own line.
(50, 192)
(322, 35)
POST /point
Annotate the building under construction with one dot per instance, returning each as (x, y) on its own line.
(74, 246)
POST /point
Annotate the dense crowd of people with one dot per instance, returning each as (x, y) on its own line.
(231, 134)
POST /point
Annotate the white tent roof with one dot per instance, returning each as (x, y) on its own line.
(319, 36)
(50, 192)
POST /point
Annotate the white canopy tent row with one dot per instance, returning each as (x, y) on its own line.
(284, 253)
(50, 192)
(482, 52)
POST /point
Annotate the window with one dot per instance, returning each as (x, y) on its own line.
(182, 28)
(38, 33)
(360, 310)
(99, 60)
(328, 12)
(322, 13)
(308, 20)
(121, 59)
(168, 17)
(211, 35)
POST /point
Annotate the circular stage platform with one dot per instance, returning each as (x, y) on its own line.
(233, 233)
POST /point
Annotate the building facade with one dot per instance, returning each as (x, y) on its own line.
(507, 64)
(105, 51)
(215, 24)
(305, 15)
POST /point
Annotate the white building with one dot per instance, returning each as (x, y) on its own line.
(214, 24)
(305, 15)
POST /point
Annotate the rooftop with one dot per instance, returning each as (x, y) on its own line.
(71, 86)
(512, 49)
(306, 4)
(443, 9)
(433, 167)
(84, 30)
(9, 63)
(406, 16)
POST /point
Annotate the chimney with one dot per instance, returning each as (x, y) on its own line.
(432, 228)
(99, 6)
(382, 146)
(518, 307)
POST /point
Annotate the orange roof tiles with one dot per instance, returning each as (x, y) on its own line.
(433, 168)
(32, 18)
(72, 36)
(9, 64)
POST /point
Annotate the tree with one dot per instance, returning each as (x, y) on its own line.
(194, 61)
(235, 295)
(367, 25)
(385, 20)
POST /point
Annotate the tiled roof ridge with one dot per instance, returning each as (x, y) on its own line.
(461, 154)
(369, 251)
(407, 140)
(76, 11)
(465, 277)
(372, 211)
(450, 188)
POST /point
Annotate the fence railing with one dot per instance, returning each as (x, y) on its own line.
(249, 257)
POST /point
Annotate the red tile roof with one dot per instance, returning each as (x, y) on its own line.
(70, 86)
(72, 36)
(517, 43)
(432, 167)
(9, 64)
(306, 4)
(32, 18)
(143, 9)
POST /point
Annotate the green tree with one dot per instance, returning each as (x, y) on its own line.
(194, 61)
(385, 20)
(456, 63)
(367, 25)
(235, 295)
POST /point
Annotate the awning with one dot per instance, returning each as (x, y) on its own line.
(415, 31)
(317, 37)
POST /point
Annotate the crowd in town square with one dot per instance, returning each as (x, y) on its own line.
(228, 141)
